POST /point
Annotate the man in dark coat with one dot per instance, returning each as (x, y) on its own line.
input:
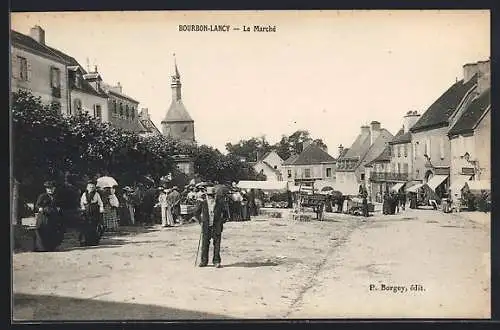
(209, 212)
(385, 203)
(49, 232)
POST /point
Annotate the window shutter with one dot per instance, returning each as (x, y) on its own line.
(16, 65)
(28, 70)
(51, 77)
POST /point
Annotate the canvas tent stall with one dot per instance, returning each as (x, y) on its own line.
(476, 187)
(397, 186)
(264, 185)
(415, 188)
(436, 181)
(347, 188)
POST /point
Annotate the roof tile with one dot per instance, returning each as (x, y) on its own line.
(441, 110)
(472, 114)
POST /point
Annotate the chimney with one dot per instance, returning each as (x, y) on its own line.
(409, 120)
(341, 150)
(38, 34)
(484, 80)
(470, 69)
(365, 130)
(144, 113)
(306, 144)
(119, 87)
(374, 131)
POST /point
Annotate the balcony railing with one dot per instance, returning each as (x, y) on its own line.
(384, 176)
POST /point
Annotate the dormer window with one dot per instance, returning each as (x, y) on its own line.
(78, 80)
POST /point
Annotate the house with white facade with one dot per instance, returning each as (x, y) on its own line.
(270, 165)
(312, 166)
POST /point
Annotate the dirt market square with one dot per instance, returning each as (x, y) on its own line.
(419, 264)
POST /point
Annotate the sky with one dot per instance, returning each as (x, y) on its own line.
(328, 72)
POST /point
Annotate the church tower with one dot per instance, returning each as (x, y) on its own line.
(178, 123)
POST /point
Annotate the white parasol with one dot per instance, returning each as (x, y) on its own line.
(106, 182)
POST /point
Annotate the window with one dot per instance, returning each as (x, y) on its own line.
(127, 113)
(428, 147)
(121, 109)
(362, 176)
(78, 80)
(405, 150)
(275, 167)
(405, 168)
(399, 168)
(132, 113)
(399, 151)
(55, 77)
(23, 68)
(77, 104)
(307, 172)
(97, 111)
(328, 172)
(441, 148)
(289, 173)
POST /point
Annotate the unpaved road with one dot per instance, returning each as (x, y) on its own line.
(273, 268)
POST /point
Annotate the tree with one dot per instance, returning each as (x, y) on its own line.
(294, 144)
(249, 149)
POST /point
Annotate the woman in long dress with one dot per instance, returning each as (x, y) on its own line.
(92, 206)
(110, 215)
(49, 232)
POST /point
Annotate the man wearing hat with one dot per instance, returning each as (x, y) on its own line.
(210, 215)
(175, 203)
(92, 206)
(49, 232)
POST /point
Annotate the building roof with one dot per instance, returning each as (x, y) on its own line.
(275, 171)
(30, 43)
(401, 137)
(148, 126)
(290, 160)
(121, 95)
(471, 116)
(358, 147)
(270, 152)
(377, 147)
(344, 151)
(441, 110)
(312, 154)
(385, 156)
(177, 113)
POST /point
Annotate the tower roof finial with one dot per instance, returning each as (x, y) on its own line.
(177, 75)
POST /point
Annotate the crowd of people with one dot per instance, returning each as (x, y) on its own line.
(95, 209)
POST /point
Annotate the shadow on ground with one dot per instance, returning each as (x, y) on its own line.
(29, 307)
(23, 238)
(253, 264)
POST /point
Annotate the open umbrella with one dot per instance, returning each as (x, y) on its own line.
(106, 182)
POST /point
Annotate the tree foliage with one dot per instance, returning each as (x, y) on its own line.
(46, 145)
(288, 145)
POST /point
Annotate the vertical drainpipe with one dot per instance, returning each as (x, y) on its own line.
(68, 89)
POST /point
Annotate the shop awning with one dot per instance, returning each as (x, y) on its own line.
(436, 180)
(479, 185)
(459, 182)
(415, 188)
(302, 189)
(347, 188)
(263, 185)
(397, 186)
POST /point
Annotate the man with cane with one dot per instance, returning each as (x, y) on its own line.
(209, 212)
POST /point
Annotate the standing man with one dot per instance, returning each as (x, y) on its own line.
(364, 196)
(210, 215)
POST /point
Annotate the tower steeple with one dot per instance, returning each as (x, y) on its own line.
(177, 122)
(176, 83)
